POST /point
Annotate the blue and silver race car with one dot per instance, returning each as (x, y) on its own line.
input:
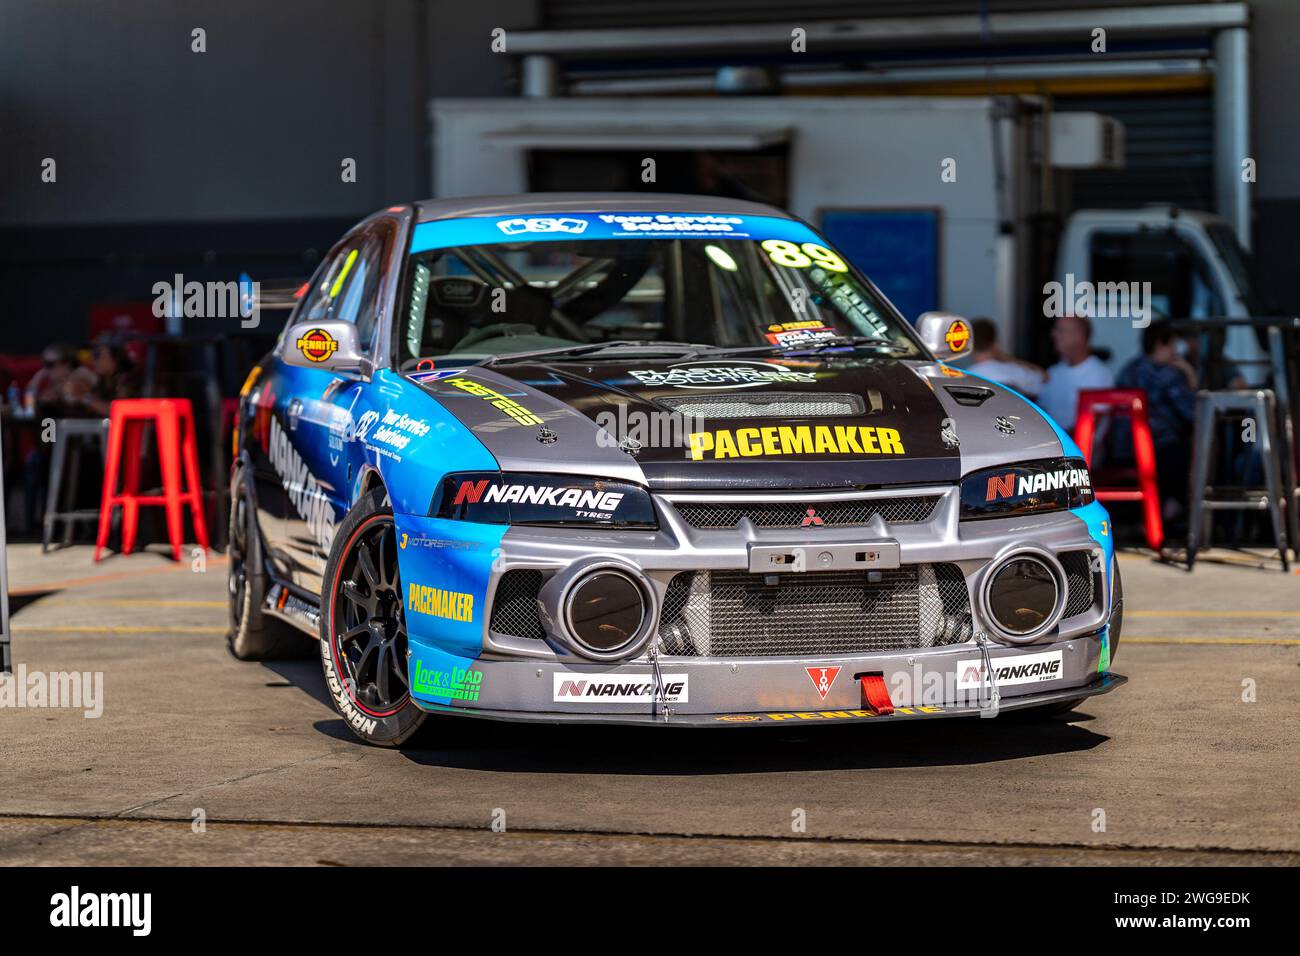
(651, 459)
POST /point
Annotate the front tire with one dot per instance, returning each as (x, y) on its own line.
(363, 643)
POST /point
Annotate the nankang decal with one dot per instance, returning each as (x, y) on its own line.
(311, 503)
(343, 702)
(1026, 669)
(587, 501)
(570, 687)
(722, 376)
(780, 440)
(1010, 485)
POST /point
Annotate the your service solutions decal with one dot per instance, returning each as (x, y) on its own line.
(556, 227)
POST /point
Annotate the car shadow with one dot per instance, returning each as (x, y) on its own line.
(655, 751)
(304, 674)
(467, 743)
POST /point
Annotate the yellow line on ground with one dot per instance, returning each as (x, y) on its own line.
(218, 560)
(1175, 639)
(1205, 613)
(147, 602)
(122, 629)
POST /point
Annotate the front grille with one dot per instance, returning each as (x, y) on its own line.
(736, 614)
(766, 405)
(514, 610)
(711, 515)
(1080, 582)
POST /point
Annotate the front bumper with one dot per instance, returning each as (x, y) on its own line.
(516, 677)
(1102, 685)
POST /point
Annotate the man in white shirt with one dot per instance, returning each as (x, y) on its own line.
(992, 363)
(1077, 370)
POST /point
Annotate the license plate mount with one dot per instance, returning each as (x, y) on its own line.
(800, 558)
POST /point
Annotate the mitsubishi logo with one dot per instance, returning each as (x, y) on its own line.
(811, 519)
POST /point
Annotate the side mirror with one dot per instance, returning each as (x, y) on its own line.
(333, 346)
(946, 334)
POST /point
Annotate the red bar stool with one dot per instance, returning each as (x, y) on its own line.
(1141, 483)
(173, 421)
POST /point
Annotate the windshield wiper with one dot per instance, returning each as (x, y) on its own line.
(858, 342)
(591, 348)
(838, 342)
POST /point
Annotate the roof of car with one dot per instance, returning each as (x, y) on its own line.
(542, 203)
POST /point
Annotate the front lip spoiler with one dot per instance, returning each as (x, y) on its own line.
(1103, 685)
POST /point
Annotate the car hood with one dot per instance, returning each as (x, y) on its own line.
(743, 424)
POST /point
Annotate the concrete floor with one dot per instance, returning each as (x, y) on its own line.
(1184, 770)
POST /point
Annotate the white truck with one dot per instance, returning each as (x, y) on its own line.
(940, 200)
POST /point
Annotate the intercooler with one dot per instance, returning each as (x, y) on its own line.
(738, 614)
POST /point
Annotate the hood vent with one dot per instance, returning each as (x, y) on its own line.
(972, 396)
(772, 405)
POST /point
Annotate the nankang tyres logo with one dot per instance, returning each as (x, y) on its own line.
(306, 495)
(498, 498)
(591, 500)
(574, 688)
(1011, 484)
(1025, 669)
(1054, 484)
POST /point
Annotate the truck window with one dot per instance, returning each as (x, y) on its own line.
(1181, 283)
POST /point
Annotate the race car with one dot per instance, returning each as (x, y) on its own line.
(651, 459)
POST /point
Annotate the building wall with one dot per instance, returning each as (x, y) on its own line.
(212, 163)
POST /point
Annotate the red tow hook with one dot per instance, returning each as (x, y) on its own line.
(875, 695)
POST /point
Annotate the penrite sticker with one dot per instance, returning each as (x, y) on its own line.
(317, 345)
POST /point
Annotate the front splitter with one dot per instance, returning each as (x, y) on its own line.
(1103, 685)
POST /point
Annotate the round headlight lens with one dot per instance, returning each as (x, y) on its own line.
(1022, 595)
(605, 610)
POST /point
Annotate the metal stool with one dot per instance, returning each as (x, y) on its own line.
(1209, 407)
(66, 429)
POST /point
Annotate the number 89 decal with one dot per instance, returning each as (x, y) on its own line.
(786, 253)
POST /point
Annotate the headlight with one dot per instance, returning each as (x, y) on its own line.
(494, 497)
(1022, 595)
(605, 611)
(1030, 487)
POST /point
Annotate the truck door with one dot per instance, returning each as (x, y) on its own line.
(319, 412)
(1182, 283)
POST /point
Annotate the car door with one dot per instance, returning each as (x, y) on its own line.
(319, 413)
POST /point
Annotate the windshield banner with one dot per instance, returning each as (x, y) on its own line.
(490, 230)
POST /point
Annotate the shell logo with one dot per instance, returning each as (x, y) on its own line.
(957, 336)
(317, 345)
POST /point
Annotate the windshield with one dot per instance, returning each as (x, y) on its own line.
(497, 286)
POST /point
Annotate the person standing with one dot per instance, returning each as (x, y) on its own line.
(1170, 384)
(1078, 369)
(989, 361)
